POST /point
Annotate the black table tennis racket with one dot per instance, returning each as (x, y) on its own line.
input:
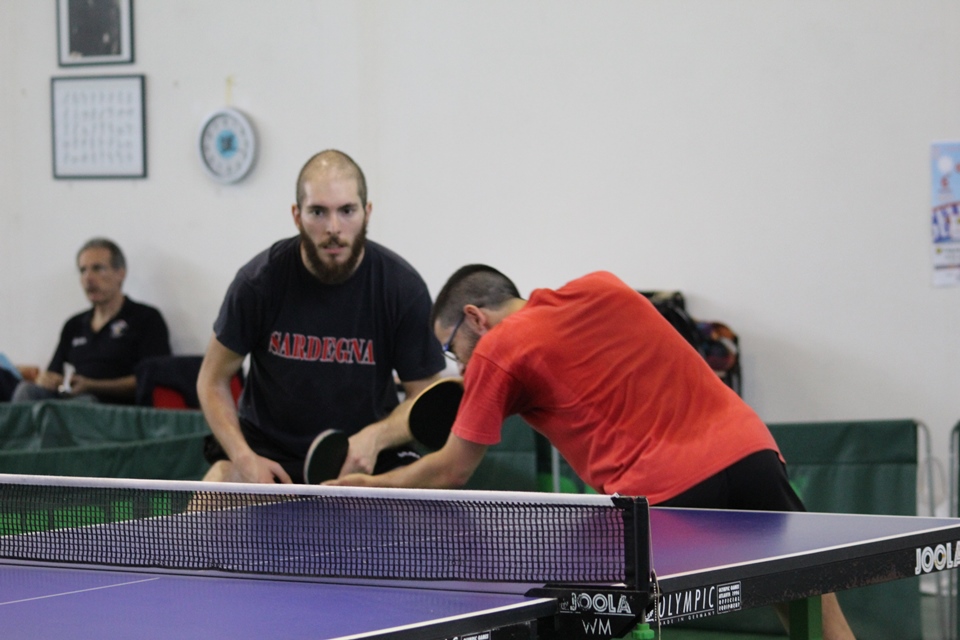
(431, 416)
(434, 411)
(325, 457)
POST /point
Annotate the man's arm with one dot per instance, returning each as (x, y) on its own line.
(52, 377)
(219, 366)
(448, 468)
(125, 387)
(49, 380)
(392, 431)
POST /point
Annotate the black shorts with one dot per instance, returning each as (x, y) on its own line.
(293, 465)
(755, 483)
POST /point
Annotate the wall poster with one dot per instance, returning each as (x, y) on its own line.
(945, 213)
(99, 127)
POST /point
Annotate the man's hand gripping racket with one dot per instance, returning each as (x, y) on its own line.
(431, 416)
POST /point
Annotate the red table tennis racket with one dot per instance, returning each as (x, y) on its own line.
(326, 456)
(434, 411)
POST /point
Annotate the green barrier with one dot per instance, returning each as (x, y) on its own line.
(87, 511)
(18, 430)
(65, 424)
(510, 465)
(174, 458)
(853, 467)
(553, 472)
(80, 439)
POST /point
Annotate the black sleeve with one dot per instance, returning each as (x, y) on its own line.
(63, 347)
(236, 326)
(418, 354)
(155, 339)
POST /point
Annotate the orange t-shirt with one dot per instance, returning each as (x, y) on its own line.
(626, 400)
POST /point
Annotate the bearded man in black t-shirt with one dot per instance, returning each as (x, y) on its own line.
(326, 317)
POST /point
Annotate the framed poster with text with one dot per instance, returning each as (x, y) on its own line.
(99, 127)
(945, 213)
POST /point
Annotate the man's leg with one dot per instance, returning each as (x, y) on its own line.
(223, 471)
(219, 471)
(835, 625)
(29, 392)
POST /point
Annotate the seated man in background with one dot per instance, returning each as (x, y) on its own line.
(595, 368)
(100, 347)
(327, 317)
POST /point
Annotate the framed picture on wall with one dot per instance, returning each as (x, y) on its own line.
(94, 32)
(99, 127)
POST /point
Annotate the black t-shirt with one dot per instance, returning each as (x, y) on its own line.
(137, 332)
(323, 356)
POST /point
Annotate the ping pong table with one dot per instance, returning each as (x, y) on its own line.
(703, 563)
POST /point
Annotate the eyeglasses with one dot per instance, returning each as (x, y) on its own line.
(446, 345)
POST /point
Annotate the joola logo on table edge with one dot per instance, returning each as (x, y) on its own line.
(938, 558)
(614, 603)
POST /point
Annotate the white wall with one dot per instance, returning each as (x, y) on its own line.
(9, 200)
(769, 158)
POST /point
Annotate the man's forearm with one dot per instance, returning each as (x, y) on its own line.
(429, 472)
(125, 387)
(220, 413)
(48, 380)
(394, 430)
(448, 468)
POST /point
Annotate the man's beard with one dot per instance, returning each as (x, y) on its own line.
(337, 273)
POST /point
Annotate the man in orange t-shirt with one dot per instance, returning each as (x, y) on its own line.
(626, 400)
(623, 397)
(616, 389)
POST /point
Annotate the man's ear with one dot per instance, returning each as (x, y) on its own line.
(476, 318)
(295, 212)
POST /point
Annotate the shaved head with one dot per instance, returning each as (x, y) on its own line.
(332, 162)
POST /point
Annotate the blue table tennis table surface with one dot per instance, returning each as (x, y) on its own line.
(691, 550)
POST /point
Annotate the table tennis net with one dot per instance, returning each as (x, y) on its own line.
(314, 532)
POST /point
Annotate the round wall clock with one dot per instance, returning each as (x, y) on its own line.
(228, 145)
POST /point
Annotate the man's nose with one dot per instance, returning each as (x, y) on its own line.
(333, 225)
